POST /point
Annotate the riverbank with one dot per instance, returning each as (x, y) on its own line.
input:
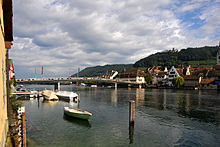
(14, 137)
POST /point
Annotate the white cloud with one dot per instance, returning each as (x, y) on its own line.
(189, 7)
(117, 35)
(62, 35)
(212, 18)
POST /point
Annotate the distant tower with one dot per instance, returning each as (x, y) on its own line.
(78, 72)
(165, 70)
(218, 55)
(187, 70)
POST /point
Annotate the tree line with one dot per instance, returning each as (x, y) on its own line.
(182, 57)
(189, 56)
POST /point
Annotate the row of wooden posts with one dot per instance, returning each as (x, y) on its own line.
(21, 140)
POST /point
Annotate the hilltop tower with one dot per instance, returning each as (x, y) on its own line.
(218, 55)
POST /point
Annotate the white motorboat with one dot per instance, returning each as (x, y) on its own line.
(33, 94)
(67, 95)
(83, 84)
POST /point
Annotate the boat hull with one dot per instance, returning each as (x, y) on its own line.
(66, 96)
(77, 115)
(67, 99)
(49, 95)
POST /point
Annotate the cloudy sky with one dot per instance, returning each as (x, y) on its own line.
(62, 35)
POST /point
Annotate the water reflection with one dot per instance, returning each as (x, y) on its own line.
(74, 104)
(178, 99)
(164, 99)
(79, 122)
(218, 120)
(156, 101)
(38, 101)
(185, 103)
(140, 96)
(114, 96)
(49, 103)
(131, 134)
(188, 140)
(200, 99)
(164, 117)
(187, 107)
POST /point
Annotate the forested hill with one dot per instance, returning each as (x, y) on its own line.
(202, 56)
(101, 70)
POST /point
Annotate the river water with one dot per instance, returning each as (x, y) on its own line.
(163, 117)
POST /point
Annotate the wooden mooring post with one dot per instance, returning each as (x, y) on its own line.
(131, 112)
(78, 101)
(131, 121)
(57, 86)
(78, 97)
(23, 130)
(22, 127)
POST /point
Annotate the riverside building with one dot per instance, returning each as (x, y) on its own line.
(6, 37)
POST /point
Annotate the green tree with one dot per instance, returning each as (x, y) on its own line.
(178, 81)
(148, 78)
(13, 81)
(14, 103)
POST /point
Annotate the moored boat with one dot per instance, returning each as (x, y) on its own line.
(93, 86)
(49, 95)
(77, 113)
(67, 95)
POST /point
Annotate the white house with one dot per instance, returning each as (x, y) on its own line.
(131, 75)
(115, 73)
(159, 76)
(172, 73)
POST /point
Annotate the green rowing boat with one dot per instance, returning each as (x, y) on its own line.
(77, 113)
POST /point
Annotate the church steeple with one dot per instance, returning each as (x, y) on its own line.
(218, 55)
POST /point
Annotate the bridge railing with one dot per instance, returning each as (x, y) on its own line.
(76, 79)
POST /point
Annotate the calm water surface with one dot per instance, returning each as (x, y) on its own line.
(163, 117)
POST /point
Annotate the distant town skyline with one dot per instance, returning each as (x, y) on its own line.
(62, 35)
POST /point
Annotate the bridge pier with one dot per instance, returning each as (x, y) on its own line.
(57, 86)
(116, 85)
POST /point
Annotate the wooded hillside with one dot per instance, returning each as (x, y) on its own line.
(201, 56)
(101, 70)
(192, 56)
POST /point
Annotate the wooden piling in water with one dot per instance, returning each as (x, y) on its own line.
(78, 99)
(38, 94)
(131, 112)
(23, 130)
